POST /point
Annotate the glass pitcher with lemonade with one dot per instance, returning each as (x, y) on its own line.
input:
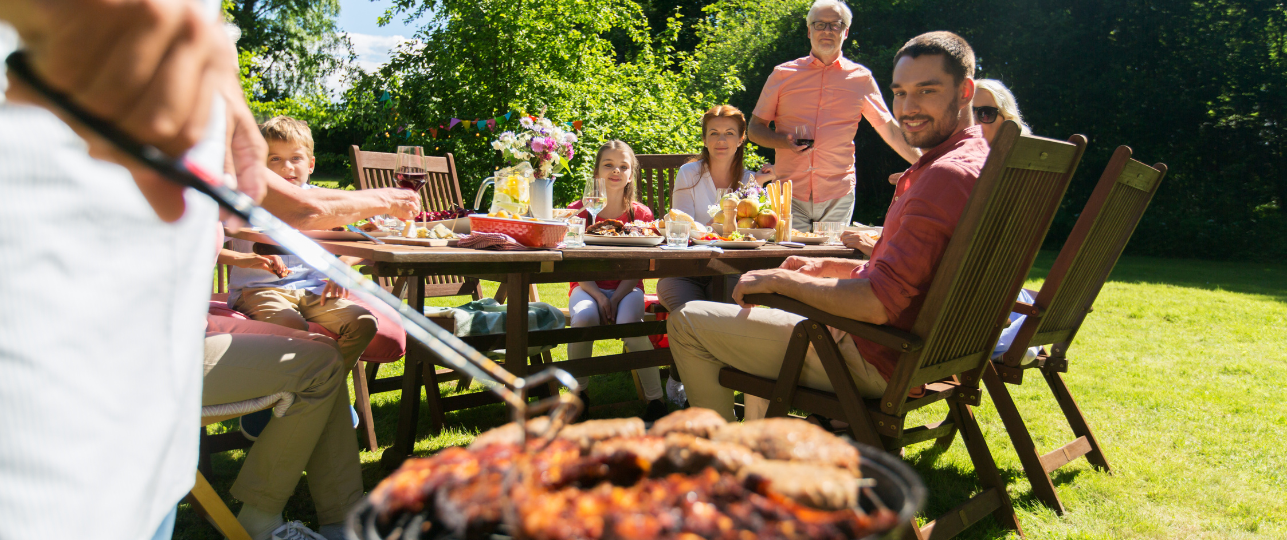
(512, 190)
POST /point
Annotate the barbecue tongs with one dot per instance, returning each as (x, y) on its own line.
(446, 346)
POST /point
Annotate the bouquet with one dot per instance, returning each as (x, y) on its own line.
(539, 144)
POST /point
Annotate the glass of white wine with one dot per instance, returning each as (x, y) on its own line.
(594, 198)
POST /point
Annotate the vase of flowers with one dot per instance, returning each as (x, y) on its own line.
(546, 150)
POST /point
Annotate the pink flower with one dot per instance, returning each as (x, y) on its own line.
(539, 145)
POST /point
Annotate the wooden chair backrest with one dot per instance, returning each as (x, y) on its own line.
(375, 170)
(1091, 251)
(985, 263)
(657, 179)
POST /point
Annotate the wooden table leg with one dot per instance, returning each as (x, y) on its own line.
(516, 323)
(409, 408)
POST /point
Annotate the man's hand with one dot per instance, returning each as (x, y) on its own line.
(760, 281)
(150, 67)
(893, 178)
(403, 203)
(334, 291)
(858, 240)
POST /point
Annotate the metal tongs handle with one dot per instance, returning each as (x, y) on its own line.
(454, 352)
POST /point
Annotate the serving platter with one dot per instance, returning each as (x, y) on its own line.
(635, 241)
(811, 240)
(734, 244)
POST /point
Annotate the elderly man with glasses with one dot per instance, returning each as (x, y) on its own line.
(815, 104)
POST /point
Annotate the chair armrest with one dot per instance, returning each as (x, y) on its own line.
(1024, 308)
(899, 340)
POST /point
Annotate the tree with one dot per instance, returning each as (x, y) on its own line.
(289, 47)
(483, 59)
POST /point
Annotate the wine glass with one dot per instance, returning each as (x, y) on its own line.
(594, 198)
(410, 169)
(804, 136)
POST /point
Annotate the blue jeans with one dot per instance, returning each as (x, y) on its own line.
(166, 530)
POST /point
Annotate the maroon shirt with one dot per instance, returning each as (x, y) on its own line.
(928, 203)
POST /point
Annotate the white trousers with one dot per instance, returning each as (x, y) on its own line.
(585, 312)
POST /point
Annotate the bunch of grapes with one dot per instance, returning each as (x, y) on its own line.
(438, 215)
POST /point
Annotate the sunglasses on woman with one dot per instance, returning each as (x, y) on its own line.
(986, 115)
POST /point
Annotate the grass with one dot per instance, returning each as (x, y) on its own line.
(1177, 370)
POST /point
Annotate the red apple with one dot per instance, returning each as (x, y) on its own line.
(746, 223)
(747, 208)
(767, 219)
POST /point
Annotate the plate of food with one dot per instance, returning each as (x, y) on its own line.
(611, 232)
(808, 237)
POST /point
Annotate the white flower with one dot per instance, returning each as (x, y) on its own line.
(713, 210)
(569, 138)
(498, 145)
(525, 122)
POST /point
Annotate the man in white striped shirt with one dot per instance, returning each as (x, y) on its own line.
(105, 269)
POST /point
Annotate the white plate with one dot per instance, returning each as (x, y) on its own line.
(645, 241)
(737, 244)
(808, 240)
(341, 235)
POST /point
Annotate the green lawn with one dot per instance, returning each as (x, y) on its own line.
(1175, 370)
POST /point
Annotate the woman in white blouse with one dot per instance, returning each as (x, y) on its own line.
(701, 183)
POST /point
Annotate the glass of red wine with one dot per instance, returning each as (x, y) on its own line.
(410, 169)
(804, 137)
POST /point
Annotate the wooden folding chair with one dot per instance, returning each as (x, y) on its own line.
(657, 179)
(1065, 299)
(973, 291)
(373, 170)
(203, 497)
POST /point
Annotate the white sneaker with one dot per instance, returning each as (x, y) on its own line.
(675, 392)
(295, 530)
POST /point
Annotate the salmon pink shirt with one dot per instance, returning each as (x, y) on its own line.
(928, 203)
(832, 99)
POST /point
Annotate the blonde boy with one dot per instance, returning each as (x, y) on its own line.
(285, 291)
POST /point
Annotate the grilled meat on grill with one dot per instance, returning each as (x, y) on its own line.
(688, 454)
(818, 486)
(588, 432)
(606, 479)
(792, 440)
(693, 421)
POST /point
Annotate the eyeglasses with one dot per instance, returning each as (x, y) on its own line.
(986, 115)
(823, 26)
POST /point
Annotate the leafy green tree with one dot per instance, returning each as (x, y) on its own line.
(293, 45)
(479, 60)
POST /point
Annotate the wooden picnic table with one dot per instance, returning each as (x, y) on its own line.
(516, 271)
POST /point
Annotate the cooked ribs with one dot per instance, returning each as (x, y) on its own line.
(606, 479)
(607, 227)
(791, 440)
(819, 486)
(693, 421)
(688, 454)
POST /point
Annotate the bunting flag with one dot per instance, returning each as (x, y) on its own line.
(576, 125)
(482, 124)
(434, 131)
(400, 128)
(453, 123)
(384, 96)
(491, 124)
(507, 115)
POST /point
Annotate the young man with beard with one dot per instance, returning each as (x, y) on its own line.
(933, 85)
(829, 95)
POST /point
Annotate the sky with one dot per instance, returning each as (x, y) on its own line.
(372, 42)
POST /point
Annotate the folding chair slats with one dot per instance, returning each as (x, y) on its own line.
(657, 179)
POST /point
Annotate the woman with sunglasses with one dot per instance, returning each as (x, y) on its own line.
(994, 104)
